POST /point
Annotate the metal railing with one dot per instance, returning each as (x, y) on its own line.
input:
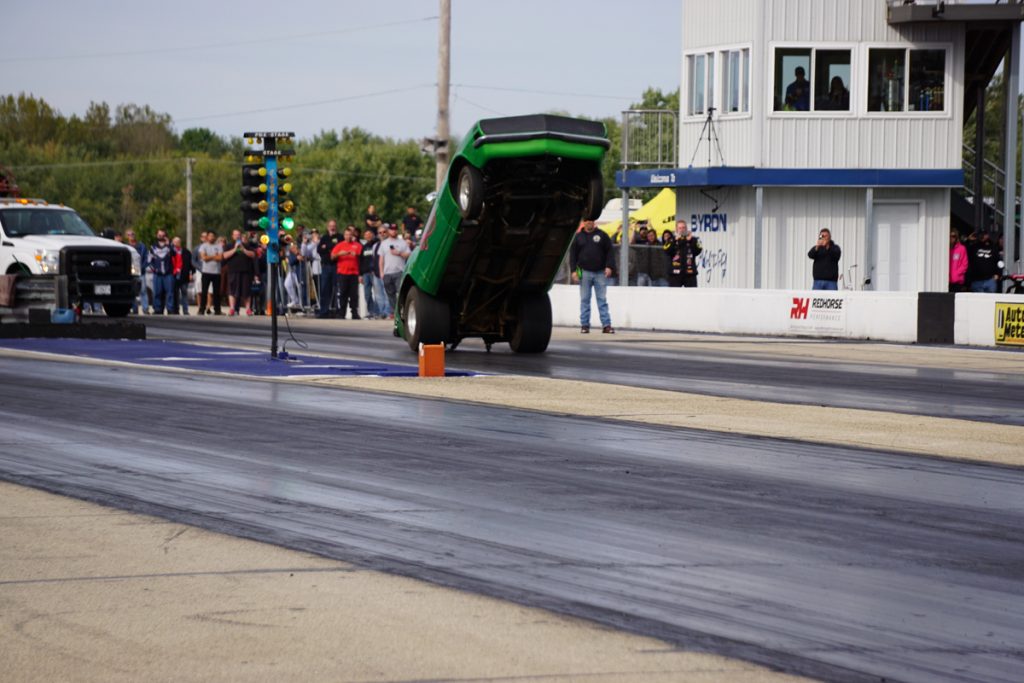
(993, 182)
(650, 138)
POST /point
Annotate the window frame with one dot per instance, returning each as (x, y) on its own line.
(747, 83)
(689, 59)
(814, 47)
(714, 81)
(907, 113)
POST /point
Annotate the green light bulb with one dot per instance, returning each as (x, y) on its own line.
(288, 223)
(264, 223)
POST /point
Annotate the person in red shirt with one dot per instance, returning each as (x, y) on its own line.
(346, 257)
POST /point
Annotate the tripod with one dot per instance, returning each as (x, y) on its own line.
(712, 135)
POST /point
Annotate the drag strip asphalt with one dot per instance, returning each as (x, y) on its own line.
(211, 359)
(834, 562)
(953, 391)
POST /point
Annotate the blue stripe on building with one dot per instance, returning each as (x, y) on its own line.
(725, 176)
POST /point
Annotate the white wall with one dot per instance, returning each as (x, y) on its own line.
(890, 316)
(884, 316)
(974, 323)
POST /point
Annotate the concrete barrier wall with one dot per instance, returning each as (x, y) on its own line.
(974, 323)
(887, 316)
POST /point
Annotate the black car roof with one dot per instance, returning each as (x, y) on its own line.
(534, 123)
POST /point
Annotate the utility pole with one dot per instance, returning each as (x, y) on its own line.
(443, 77)
(188, 202)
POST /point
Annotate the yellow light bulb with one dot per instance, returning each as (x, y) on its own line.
(264, 239)
(286, 187)
(263, 206)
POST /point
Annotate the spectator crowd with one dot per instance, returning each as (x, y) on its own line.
(320, 273)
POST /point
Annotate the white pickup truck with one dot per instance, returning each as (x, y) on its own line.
(38, 238)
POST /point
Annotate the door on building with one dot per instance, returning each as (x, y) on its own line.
(899, 249)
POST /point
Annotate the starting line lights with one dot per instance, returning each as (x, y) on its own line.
(266, 188)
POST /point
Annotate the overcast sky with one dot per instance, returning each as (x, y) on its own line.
(368, 64)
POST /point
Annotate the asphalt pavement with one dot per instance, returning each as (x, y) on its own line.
(987, 394)
(839, 563)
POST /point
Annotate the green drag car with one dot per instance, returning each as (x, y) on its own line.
(514, 195)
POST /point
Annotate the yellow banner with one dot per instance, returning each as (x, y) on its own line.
(660, 214)
(1010, 324)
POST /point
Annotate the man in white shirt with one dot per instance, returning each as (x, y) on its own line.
(392, 254)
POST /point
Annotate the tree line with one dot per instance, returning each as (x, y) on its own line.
(125, 167)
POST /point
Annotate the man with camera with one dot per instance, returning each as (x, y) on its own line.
(393, 253)
(825, 254)
(683, 256)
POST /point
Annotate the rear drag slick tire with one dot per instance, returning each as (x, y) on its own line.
(533, 327)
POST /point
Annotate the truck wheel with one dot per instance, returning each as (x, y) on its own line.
(427, 319)
(533, 329)
(117, 310)
(594, 203)
(470, 192)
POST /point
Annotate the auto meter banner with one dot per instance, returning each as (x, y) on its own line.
(1009, 324)
(818, 313)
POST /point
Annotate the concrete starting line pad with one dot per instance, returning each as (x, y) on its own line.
(167, 354)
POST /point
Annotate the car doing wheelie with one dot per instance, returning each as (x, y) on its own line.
(500, 226)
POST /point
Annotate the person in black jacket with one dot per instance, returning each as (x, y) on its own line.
(983, 260)
(590, 259)
(686, 248)
(825, 254)
(328, 273)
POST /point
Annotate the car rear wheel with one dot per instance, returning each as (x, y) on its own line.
(427, 319)
(470, 192)
(533, 329)
(595, 198)
(117, 310)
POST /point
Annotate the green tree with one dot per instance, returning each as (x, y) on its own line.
(158, 216)
(195, 140)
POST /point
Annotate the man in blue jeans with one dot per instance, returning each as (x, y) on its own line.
(590, 260)
(825, 254)
(328, 274)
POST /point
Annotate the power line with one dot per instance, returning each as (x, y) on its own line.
(87, 164)
(317, 103)
(540, 92)
(176, 159)
(208, 46)
(463, 98)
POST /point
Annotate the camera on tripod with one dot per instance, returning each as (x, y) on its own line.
(708, 132)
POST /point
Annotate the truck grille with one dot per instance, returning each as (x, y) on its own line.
(89, 264)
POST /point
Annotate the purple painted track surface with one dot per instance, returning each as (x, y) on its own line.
(212, 358)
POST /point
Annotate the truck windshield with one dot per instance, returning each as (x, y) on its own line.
(21, 222)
